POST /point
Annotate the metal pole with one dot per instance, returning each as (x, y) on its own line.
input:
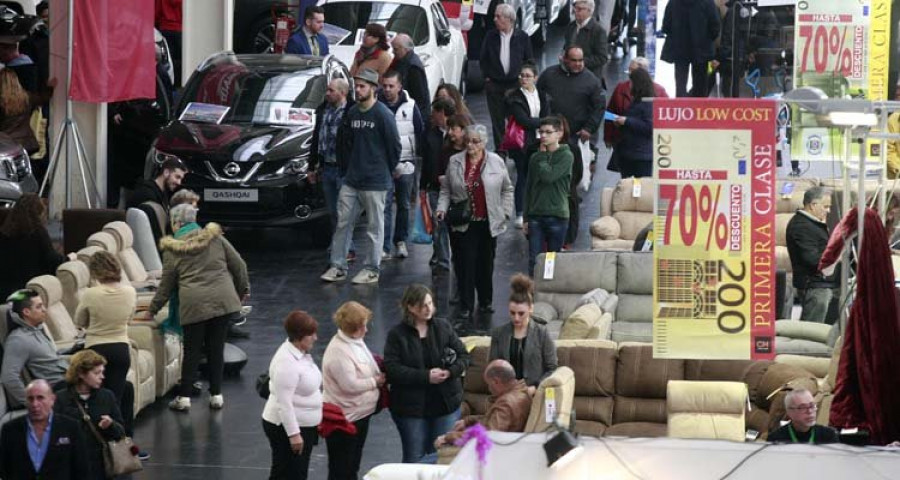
(861, 190)
(845, 207)
(70, 25)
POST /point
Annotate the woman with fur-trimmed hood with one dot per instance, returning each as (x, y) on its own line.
(211, 279)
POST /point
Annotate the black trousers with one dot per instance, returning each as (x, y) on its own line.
(698, 79)
(287, 465)
(118, 361)
(345, 451)
(496, 102)
(475, 270)
(210, 333)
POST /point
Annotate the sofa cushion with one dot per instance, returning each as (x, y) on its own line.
(597, 296)
(631, 223)
(575, 274)
(591, 429)
(636, 409)
(623, 198)
(474, 381)
(634, 308)
(637, 429)
(594, 409)
(606, 228)
(746, 371)
(640, 375)
(606, 245)
(704, 409)
(815, 365)
(586, 322)
(544, 311)
(631, 332)
(594, 364)
(795, 346)
(814, 331)
(634, 273)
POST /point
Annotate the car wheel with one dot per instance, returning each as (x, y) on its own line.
(262, 36)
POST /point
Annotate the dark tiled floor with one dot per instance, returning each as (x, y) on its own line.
(284, 270)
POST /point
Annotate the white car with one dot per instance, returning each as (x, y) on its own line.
(440, 46)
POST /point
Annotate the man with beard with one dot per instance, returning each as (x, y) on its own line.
(156, 193)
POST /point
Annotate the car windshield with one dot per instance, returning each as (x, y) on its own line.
(258, 96)
(353, 16)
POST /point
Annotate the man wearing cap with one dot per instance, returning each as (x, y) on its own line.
(368, 151)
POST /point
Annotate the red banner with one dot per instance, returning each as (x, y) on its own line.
(113, 52)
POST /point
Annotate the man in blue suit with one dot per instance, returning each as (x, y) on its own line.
(309, 39)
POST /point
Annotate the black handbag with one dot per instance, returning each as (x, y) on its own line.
(262, 385)
(459, 213)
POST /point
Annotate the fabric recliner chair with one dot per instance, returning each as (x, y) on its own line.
(108, 242)
(707, 410)
(131, 262)
(623, 215)
(74, 277)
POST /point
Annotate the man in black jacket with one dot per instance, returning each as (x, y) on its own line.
(691, 28)
(412, 73)
(801, 410)
(158, 191)
(503, 52)
(441, 110)
(41, 444)
(574, 93)
(585, 32)
(807, 236)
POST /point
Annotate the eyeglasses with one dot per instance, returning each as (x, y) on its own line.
(526, 75)
(548, 132)
(810, 407)
(473, 141)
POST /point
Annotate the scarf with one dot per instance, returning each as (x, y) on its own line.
(173, 324)
(367, 53)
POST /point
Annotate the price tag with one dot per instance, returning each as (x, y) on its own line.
(549, 265)
(648, 242)
(550, 405)
(636, 187)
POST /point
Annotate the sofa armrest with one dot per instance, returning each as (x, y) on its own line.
(812, 331)
(544, 313)
(606, 228)
(141, 336)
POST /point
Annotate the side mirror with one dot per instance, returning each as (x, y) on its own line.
(444, 37)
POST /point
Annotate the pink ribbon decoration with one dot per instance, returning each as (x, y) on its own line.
(483, 442)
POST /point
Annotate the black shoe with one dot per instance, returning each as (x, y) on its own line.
(485, 309)
(237, 333)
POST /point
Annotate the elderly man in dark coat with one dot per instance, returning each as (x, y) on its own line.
(412, 73)
(691, 28)
(585, 32)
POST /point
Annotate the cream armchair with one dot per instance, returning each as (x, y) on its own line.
(710, 410)
(131, 262)
(623, 215)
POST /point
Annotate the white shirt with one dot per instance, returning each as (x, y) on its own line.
(505, 39)
(295, 395)
(534, 104)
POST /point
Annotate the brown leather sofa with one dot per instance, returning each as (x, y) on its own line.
(621, 391)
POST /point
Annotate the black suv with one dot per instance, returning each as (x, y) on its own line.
(243, 128)
(15, 172)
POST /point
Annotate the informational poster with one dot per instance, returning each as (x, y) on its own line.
(714, 229)
(841, 47)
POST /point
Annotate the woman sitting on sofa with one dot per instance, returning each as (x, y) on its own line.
(526, 345)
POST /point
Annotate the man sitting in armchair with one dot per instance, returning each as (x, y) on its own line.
(801, 409)
(510, 404)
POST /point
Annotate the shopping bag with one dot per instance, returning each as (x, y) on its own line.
(514, 137)
(587, 155)
(423, 226)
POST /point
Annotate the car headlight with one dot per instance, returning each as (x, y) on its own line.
(297, 166)
(160, 157)
(21, 164)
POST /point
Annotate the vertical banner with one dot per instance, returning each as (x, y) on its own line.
(714, 258)
(113, 52)
(841, 47)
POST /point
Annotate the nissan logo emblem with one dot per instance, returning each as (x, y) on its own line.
(232, 169)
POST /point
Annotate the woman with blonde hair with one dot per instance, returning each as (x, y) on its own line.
(351, 380)
(374, 52)
(85, 397)
(16, 106)
(104, 311)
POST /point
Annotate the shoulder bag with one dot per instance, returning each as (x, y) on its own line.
(514, 137)
(119, 456)
(459, 213)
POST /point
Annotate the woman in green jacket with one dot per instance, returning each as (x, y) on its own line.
(547, 192)
(211, 279)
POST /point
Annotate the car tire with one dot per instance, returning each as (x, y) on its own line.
(261, 33)
(464, 78)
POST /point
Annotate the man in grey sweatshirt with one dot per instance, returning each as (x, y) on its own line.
(28, 347)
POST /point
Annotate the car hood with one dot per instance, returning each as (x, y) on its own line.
(238, 143)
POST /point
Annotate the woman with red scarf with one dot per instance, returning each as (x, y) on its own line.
(373, 53)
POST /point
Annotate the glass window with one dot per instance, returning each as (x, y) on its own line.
(409, 19)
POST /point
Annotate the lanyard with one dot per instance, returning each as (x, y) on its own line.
(812, 435)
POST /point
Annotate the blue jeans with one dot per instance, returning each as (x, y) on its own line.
(551, 230)
(441, 236)
(350, 202)
(400, 190)
(417, 435)
(331, 187)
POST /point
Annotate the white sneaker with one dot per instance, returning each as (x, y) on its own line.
(519, 222)
(365, 276)
(181, 404)
(402, 252)
(216, 402)
(334, 274)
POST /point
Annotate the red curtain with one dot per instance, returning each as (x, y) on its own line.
(113, 52)
(867, 391)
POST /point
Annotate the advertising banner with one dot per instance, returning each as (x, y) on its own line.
(841, 47)
(714, 227)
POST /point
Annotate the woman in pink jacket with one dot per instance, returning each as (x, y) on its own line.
(351, 380)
